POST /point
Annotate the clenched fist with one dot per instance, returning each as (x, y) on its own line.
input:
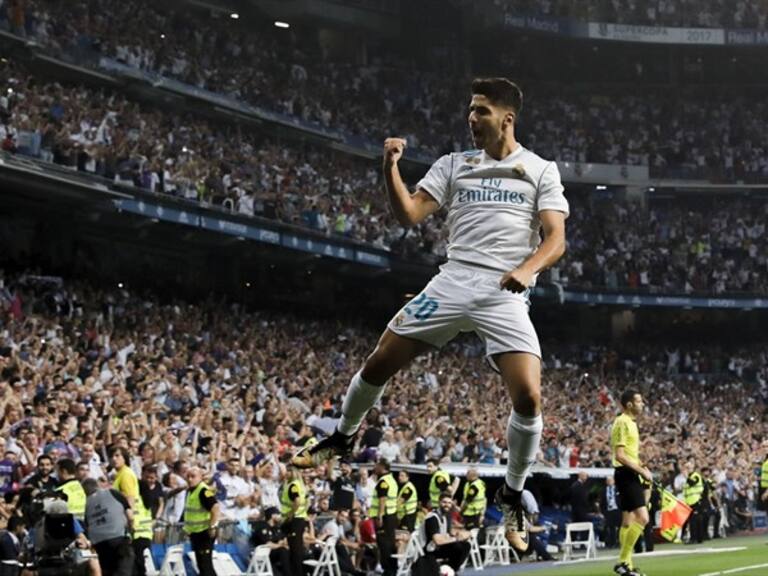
(393, 150)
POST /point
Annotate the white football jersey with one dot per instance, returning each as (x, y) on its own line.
(493, 205)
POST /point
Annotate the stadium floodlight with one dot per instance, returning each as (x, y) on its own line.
(280, 24)
(601, 187)
(234, 15)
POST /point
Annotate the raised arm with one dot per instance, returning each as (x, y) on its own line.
(409, 209)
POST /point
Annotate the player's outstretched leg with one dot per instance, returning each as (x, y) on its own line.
(522, 375)
(366, 388)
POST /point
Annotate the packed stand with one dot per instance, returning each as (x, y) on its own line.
(104, 134)
(677, 136)
(687, 245)
(235, 393)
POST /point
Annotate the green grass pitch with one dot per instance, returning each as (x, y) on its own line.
(754, 554)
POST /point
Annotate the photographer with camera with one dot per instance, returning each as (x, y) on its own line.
(57, 545)
(108, 517)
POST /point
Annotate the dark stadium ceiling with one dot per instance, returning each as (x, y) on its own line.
(381, 17)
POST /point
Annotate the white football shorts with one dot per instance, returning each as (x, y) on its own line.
(465, 298)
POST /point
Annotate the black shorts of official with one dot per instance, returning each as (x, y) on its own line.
(630, 489)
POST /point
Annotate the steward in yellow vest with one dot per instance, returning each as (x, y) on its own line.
(407, 502)
(71, 488)
(201, 519)
(384, 512)
(294, 505)
(762, 499)
(474, 502)
(692, 494)
(439, 481)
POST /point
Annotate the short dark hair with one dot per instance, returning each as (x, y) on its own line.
(122, 451)
(628, 396)
(384, 463)
(500, 91)
(67, 465)
(14, 522)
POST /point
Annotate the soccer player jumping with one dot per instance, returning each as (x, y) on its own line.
(499, 197)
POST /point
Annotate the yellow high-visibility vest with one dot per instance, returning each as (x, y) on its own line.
(286, 504)
(196, 517)
(390, 505)
(476, 505)
(75, 497)
(408, 506)
(142, 521)
(434, 490)
(692, 492)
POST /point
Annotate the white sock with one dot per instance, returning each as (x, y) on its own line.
(523, 437)
(360, 398)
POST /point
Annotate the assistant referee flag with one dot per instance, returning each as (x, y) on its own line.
(674, 513)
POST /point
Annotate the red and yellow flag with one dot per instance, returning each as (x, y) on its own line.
(674, 514)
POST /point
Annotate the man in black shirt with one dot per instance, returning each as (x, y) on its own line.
(442, 542)
(42, 479)
(579, 499)
(267, 532)
(342, 487)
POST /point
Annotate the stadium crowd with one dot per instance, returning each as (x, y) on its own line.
(695, 244)
(677, 134)
(688, 245)
(83, 370)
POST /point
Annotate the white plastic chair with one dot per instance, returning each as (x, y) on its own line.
(589, 544)
(149, 564)
(328, 560)
(474, 550)
(260, 564)
(497, 549)
(173, 563)
(225, 565)
(413, 551)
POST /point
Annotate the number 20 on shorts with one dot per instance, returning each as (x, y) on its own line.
(422, 307)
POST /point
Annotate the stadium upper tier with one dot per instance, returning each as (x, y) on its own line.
(691, 244)
(678, 133)
(678, 13)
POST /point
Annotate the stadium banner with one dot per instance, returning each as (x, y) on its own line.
(674, 514)
(544, 24)
(158, 212)
(306, 244)
(640, 300)
(747, 37)
(656, 34)
(242, 230)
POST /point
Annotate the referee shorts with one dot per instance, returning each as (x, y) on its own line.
(466, 298)
(630, 489)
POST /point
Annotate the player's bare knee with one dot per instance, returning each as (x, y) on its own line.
(527, 401)
(374, 370)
